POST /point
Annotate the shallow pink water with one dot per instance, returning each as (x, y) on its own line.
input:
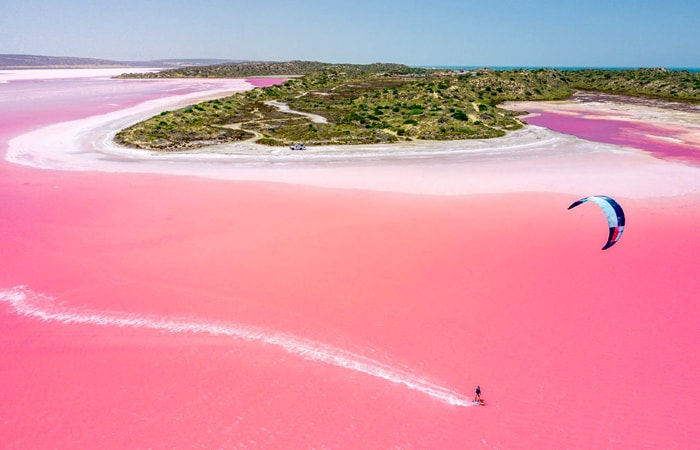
(265, 82)
(573, 347)
(636, 134)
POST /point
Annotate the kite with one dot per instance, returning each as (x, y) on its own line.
(613, 212)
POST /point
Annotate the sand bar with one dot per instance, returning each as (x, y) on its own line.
(532, 159)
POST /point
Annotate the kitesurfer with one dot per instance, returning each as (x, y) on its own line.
(477, 397)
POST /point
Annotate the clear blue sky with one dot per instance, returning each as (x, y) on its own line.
(630, 33)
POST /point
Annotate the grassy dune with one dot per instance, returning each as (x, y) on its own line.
(380, 103)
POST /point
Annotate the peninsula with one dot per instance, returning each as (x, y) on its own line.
(345, 104)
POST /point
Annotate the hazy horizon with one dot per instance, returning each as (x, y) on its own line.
(540, 33)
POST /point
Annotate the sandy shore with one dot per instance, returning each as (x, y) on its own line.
(51, 74)
(532, 159)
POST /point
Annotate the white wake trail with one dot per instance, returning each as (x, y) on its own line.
(30, 304)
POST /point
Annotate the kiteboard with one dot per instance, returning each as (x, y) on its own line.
(479, 402)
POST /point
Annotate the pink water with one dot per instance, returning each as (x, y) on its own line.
(265, 82)
(573, 347)
(652, 137)
(30, 103)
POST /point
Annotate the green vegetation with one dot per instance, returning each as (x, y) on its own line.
(262, 69)
(380, 103)
(659, 83)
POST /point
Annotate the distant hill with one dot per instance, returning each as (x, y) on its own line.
(273, 68)
(174, 63)
(8, 61)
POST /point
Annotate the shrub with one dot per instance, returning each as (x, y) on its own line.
(271, 142)
(460, 115)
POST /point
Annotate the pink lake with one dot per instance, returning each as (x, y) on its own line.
(147, 310)
(664, 140)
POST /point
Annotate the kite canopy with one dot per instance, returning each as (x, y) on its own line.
(613, 212)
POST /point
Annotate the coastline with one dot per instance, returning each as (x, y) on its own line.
(52, 74)
(619, 107)
(532, 159)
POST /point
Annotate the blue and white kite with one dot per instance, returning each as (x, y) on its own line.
(613, 212)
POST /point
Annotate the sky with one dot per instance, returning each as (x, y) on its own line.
(522, 33)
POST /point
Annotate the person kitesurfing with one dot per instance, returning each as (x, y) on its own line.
(477, 397)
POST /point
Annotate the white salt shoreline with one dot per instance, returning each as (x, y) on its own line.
(7, 75)
(532, 159)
